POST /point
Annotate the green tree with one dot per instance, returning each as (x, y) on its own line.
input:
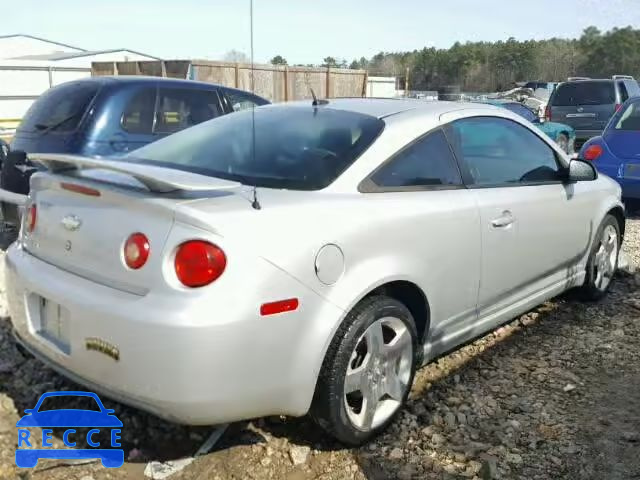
(329, 62)
(278, 60)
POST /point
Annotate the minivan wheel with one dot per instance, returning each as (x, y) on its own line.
(603, 260)
(367, 372)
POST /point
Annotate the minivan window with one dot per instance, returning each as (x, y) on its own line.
(295, 148)
(241, 101)
(138, 115)
(624, 95)
(61, 108)
(585, 93)
(180, 108)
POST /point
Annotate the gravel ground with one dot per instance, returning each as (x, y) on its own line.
(552, 395)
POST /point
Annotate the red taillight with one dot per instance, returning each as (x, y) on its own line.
(74, 187)
(136, 250)
(279, 307)
(32, 215)
(618, 107)
(547, 113)
(198, 263)
(592, 152)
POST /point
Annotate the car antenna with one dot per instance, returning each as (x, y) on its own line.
(317, 102)
(255, 203)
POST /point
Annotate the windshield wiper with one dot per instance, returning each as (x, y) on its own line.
(47, 128)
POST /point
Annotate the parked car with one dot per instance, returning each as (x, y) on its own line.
(617, 151)
(587, 104)
(564, 135)
(302, 258)
(110, 116)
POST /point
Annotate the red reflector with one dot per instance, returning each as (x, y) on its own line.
(198, 263)
(279, 307)
(618, 107)
(136, 250)
(32, 215)
(592, 152)
(74, 187)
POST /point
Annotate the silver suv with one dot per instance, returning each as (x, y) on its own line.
(587, 104)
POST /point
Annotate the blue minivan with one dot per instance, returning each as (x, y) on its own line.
(109, 117)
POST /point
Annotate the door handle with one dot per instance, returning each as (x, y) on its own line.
(503, 220)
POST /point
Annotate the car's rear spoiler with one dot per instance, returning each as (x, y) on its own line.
(156, 179)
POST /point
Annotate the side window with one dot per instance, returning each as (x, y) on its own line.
(138, 114)
(427, 162)
(241, 101)
(497, 152)
(183, 108)
(624, 94)
(630, 118)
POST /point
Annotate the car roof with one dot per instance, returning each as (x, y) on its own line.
(386, 107)
(139, 79)
(588, 80)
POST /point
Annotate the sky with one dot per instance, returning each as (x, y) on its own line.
(303, 31)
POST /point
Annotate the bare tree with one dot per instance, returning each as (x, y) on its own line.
(236, 56)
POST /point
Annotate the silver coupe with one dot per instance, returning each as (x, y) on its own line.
(302, 258)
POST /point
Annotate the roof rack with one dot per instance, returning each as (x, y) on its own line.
(622, 77)
(573, 79)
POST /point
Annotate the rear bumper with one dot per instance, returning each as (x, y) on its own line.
(188, 362)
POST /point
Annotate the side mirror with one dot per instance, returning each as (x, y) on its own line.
(581, 171)
(29, 410)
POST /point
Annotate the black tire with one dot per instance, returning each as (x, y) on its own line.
(590, 290)
(328, 408)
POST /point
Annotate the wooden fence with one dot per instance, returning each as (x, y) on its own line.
(274, 82)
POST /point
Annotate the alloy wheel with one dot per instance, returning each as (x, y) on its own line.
(606, 258)
(378, 374)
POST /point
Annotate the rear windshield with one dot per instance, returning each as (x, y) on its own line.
(61, 108)
(297, 148)
(584, 93)
(629, 119)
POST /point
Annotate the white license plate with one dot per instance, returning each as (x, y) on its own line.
(54, 324)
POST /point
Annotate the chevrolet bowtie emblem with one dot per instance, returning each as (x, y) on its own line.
(71, 223)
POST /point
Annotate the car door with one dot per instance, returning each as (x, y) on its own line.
(438, 223)
(535, 228)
